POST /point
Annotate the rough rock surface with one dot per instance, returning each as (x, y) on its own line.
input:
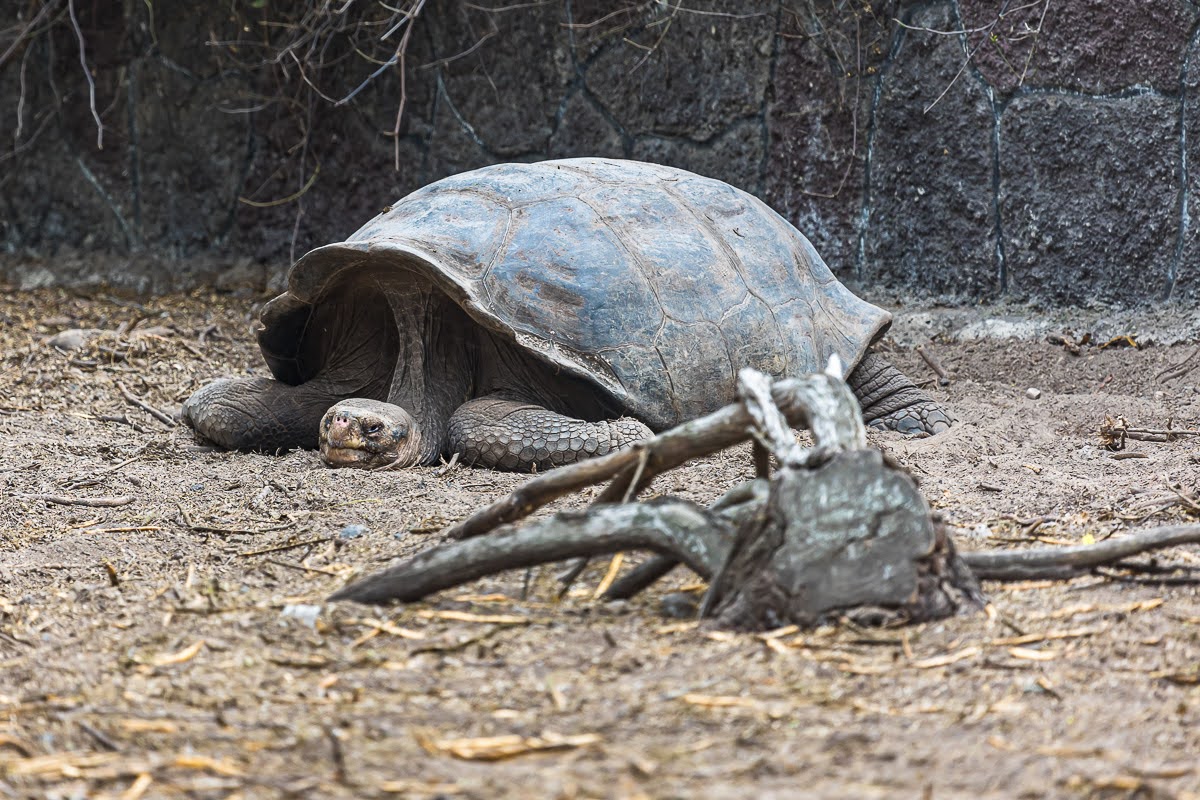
(1047, 152)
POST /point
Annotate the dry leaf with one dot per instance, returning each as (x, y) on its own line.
(219, 766)
(1028, 654)
(186, 654)
(720, 701)
(466, 616)
(947, 659)
(496, 748)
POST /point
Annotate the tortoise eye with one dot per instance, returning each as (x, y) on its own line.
(372, 428)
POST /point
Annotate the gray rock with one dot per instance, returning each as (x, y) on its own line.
(931, 216)
(1088, 189)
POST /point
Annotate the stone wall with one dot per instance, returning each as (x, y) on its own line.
(941, 148)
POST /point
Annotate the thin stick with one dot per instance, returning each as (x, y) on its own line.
(1061, 562)
(32, 24)
(935, 365)
(300, 567)
(283, 547)
(91, 502)
(87, 74)
(693, 439)
(144, 406)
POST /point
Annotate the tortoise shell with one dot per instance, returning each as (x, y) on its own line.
(655, 284)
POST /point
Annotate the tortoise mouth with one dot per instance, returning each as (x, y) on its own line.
(338, 457)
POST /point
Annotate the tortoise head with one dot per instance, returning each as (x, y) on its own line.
(369, 434)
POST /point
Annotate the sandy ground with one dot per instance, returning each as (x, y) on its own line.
(171, 646)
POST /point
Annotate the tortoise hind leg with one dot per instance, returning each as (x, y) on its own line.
(257, 414)
(890, 400)
(500, 433)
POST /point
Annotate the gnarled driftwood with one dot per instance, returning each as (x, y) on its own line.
(835, 530)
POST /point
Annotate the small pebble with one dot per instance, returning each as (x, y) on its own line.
(1033, 394)
(680, 605)
(71, 339)
(305, 613)
(353, 531)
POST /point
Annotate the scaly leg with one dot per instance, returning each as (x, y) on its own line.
(499, 433)
(890, 400)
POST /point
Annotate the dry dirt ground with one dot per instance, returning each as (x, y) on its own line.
(177, 642)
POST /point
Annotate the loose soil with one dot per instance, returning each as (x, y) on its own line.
(179, 644)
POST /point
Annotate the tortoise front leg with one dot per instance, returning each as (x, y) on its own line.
(890, 400)
(500, 433)
(258, 413)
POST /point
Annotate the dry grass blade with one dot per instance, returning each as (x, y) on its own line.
(498, 748)
(466, 616)
(1029, 654)
(378, 626)
(610, 575)
(947, 659)
(1102, 608)
(1030, 638)
(220, 766)
(184, 655)
(720, 701)
(410, 788)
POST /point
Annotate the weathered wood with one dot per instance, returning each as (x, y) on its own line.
(1042, 563)
(738, 505)
(689, 532)
(839, 527)
(848, 534)
(694, 439)
(837, 530)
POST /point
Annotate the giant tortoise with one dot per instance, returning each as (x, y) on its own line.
(529, 315)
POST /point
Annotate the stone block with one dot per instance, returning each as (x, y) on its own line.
(818, 115)
(678, 72)
(1088, 195)
(930, 222)
(1093, 46)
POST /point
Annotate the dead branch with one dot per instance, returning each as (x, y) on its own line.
(839, 528)
(694, 439)
(91, 502)
(688, 532)
(24, 35)
(934, 364)
(1065, 562)
(836, 531)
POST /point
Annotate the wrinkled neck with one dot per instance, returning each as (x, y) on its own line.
(435, 358)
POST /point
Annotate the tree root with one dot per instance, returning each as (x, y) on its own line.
(837, 530)
(690, 533)
(1066, 562)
